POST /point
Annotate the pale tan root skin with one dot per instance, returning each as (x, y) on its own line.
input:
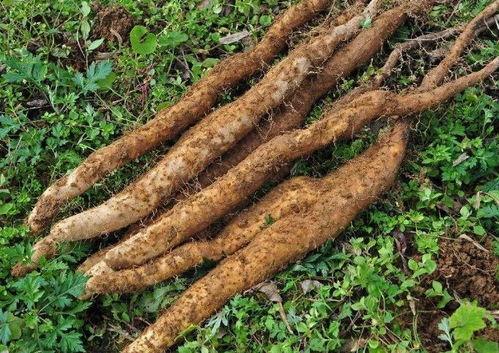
(292, 113)
(437, 74)
(170, 122)
(211, 137)
(338, 197)
(208, 294)
(287, 198)
(197, 212)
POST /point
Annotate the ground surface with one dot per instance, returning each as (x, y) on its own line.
(70, 82)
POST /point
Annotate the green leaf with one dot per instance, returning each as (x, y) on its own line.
(143, 42)
(6, 208)
(209, 62)
(484, 346)
(102, 70)
(5, 333)
(173, 39)
(13, 77)
(265, 20)
(85, 9)
(466, 320)
(107, 83)
(85, 29)
(95, 44)
(71, 343)
(39, 71)
(366, 23)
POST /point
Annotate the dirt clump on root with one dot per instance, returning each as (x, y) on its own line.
(469, 271)
(112, 23)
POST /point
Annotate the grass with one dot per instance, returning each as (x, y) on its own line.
(58, 103)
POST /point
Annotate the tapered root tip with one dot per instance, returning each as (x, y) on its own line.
(20, 269)
(35, 224)
(44, 248)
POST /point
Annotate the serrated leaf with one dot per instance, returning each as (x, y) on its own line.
(62, 301)
(38, 72)
(143, 42)
(71, 343)
(107, 83)
(466, 320)
(102, 70)
(13, 77)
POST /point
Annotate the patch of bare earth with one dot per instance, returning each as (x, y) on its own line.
(468, 270)
(112, 23)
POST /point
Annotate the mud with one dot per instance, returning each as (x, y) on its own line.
(469, 272)
(466, 272)
(112, 23)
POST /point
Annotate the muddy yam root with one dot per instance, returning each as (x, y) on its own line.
(339, 197)
(170, 122)
(287, 198)
(197, 212)
(206, 141)
(293, 112)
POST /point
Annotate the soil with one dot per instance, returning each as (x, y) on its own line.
(469, 271)
(112, 23)
(466, 272)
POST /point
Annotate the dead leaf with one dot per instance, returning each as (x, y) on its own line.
(464, 156)
(204, 4)
(354, 345)
(412, 304)
(37, 103)
(309, 285)
(272, 293)
(284, 318)
(270, 290)
(235, 37)
(104, 55)
(474, 242)
(476, 204)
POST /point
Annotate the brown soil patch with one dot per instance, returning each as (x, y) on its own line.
(469, 271)
(466, 271)
(112, 23)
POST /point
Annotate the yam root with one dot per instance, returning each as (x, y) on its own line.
(292, 113)
(168, 123)
(351, 189)
(211, 137)
(197, 212)
(253, 140)
(338, 198)
(287, 198)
